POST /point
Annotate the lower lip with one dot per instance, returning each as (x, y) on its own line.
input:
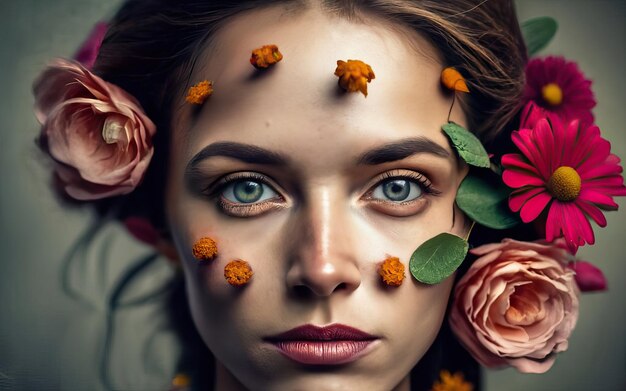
(324, 352)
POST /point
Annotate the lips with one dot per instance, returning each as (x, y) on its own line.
(330, 345)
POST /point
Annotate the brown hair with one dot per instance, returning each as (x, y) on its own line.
(151, 48)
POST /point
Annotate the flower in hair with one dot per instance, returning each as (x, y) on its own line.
(98, 134)
(88, 51)
(265, 56)
(517, 305)
(453, 80)
(354, 75)
(567, 169)
(557, 86)
(451, 382)
(198, 93)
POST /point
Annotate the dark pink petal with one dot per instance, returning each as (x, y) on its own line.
(516, 179)
(520, 196)
(142, 230)
(88, 51)
(577, 225)
(599, 171)
(597, 198)
(589, 278)
(534, 206)
(592, 211)
(517, 161)
(554, 222)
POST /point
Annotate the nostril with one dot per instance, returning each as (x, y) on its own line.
(305, 291)
(302, 292)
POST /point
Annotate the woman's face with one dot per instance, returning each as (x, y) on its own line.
(314, 188)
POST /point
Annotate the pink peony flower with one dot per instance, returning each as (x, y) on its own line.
(517, 305)
(557, 86)
(589, 278)
(97, 134)
(567, 169)
(88, 51)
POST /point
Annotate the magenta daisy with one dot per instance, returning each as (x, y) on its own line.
(569, 170)
(558, 86)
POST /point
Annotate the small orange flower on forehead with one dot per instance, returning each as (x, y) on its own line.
(205, 249)
(265, 56)
(354, 75)
(453, 80)
(197, 94)
(238, 273)
(392, 271)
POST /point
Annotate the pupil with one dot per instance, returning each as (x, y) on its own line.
(397, 190)
(248, 191)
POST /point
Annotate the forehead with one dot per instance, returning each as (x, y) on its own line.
(299, 97)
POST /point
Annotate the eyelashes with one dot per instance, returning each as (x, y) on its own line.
(398, 193)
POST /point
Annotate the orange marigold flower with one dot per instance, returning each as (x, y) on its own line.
(238, 272)
(205, 249)
(392, 271)
(265, 56)
(354, 75)
(450, 382)
(197, 94)
(453, 80)
(180, 381)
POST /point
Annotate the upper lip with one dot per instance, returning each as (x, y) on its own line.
(333, 332)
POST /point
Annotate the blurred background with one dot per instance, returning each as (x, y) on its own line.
(50, 341)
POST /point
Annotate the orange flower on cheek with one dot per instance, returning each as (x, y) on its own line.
(392, 271)
(205, 249)
(238, 273)
(354, 75)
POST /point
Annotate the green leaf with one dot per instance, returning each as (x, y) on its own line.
(486, 202)
(467, 145)
(538, 32)
(437, 258)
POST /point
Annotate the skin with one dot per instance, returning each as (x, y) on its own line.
(316, 241)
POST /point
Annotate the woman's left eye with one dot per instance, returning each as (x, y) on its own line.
(248, 192)
(397, 190)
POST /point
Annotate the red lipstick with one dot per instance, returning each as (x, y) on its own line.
(330, 345)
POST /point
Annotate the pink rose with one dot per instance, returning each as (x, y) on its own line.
(97, 134)
(517, 305)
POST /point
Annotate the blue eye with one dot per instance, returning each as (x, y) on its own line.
(397, 190)
(247, 192)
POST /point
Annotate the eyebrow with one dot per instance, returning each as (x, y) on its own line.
(253, 154)
(244, 152)
(402, 149)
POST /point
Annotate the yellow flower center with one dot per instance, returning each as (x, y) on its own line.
(564, 184)
(552, 94)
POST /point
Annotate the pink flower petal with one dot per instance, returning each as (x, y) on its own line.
(534, 206)
(520, 196)
(589, 278)
(74, 106)
(517, 179)
(593, 212)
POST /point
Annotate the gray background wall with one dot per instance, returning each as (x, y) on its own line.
(48, 341)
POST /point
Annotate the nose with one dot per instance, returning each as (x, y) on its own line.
(322, 257)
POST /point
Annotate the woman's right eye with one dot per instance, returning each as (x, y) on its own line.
(246, 195)
(248, 191)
